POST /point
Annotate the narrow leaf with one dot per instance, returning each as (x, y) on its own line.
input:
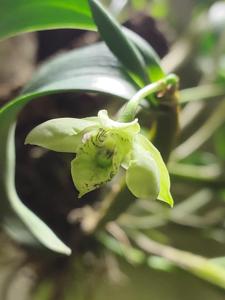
(9, 198)
(151, 58)
(117, 41)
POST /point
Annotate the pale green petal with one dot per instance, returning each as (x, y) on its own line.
(142, 176)
(97, 160)
(130, 128)
(164, 194)
(62, 134)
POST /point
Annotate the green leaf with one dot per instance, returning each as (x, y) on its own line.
(17, 16)
(9, 198)
(164, 194)
(117, 41)
(93, 69)
(219, 142)
(90, 69)
(62, 135)
(128, 252)
(151, 58)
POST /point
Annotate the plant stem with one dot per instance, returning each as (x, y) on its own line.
(130, 110)
(166, 111)
(209, 176)
(202, 92)
(208, 172)
(201, 267)
(166, 123)
(195, 264)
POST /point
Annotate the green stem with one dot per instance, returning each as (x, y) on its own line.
(200, 266)
(195, 264)
(166, 120)
(130, 110)
(209, 176)
(202, 92)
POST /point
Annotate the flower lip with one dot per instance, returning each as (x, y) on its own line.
(104, 157)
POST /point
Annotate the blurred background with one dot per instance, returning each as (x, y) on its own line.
(189, 36)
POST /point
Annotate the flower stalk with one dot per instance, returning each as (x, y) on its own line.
(130, 110)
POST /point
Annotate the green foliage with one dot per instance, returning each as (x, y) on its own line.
(159, 8)
(152, 61)
(92, 68)
(133, 52)
(17, 16)
(139, 4)
(219, 142)
(117, 41)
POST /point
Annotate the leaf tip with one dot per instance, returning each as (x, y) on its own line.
(67, 251)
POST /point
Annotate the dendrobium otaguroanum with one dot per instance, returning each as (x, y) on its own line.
(102, 146)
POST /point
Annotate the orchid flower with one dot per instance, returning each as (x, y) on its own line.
(102, 146)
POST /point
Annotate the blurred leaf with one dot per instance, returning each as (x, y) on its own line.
(17, 16)
(160, 263)
(201, 92)
(220, 261)
(44, 289)
(139, 4)
(221, 70)
(219, 141)
(207, 42)
(92, 69)
(159, 8)
(131, 254)
(200, 158)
